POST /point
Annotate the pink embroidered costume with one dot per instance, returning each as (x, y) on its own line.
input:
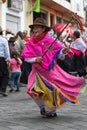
(48, 84)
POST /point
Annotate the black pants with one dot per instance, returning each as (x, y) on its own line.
(4, 75)
(26, 69)
(66, 64)
(79, 64)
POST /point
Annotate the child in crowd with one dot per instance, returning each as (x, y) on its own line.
(15, 66)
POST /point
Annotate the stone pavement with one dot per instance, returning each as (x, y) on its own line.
(19, 112)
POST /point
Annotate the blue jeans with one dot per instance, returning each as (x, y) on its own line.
(14, 78)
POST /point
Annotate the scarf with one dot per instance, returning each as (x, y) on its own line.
(38, 38)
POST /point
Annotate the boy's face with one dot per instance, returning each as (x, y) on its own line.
(37, 30)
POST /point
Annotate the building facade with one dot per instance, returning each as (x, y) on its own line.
(85, 9)
(18, 14)
(12, 15)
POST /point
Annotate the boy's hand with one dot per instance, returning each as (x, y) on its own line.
(65, 50)
(38, 59)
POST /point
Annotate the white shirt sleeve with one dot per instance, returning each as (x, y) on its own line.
(79, 44)
(30, 60)
(61, 55)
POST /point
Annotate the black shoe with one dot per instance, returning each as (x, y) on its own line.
(11, 90)
(17, 90)
(42, 111)
(51, 115)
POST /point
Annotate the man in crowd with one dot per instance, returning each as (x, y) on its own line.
(4, 59)
(78, 48)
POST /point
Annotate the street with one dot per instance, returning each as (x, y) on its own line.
(19, 112)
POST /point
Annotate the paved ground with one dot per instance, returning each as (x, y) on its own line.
(19, 112)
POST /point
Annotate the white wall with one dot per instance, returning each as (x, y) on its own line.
(73, 6)
(6, 23)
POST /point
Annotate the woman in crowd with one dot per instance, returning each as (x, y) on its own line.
(48, 84)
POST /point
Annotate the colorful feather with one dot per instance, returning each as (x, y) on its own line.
(78, 21)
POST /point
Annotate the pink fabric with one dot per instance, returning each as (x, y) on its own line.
(74, 51)
(68, 83)
(77, 52)
(14, 65)
(39, 49)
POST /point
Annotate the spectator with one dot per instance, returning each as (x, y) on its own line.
(9, 33)
(19, 43)
(11, 43)
(15, 64)
(25, 36)
(4, 59)
(78, 47)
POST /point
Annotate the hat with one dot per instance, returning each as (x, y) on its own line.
(11, 39)
(41, 22)
(0, 29)
(8, 30)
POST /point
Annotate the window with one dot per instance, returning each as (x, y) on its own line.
(58, 19)
(15, 5)
(65, 21)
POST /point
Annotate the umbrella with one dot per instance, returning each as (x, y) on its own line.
(60, 26)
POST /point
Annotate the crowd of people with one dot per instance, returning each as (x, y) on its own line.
(44, 64)
(11, 63)
(75, 60)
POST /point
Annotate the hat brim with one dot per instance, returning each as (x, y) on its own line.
(11, 40)
(36, 24)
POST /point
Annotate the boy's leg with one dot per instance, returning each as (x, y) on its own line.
(17, 80)
(11, 81)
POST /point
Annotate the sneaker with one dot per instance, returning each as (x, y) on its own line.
(17, 90)
(11, 90)
(4, 94)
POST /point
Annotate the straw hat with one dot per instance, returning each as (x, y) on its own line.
(41, 22)
(8, 30)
